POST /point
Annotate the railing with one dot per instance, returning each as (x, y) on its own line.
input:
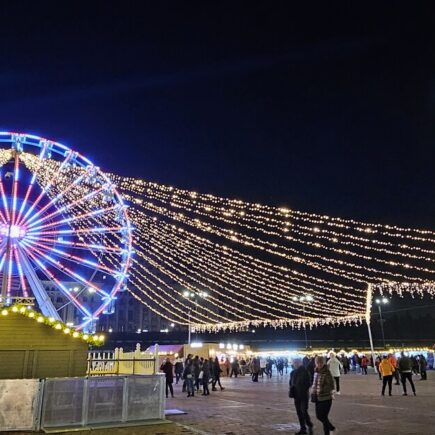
(120, 363)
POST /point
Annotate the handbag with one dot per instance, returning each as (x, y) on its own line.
(314, 398)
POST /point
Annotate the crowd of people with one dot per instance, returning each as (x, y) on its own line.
(313, 379)
(197, 374)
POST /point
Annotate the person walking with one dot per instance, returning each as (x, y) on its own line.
(387, 370)
(377, 363)
(321, 394)
(299, 388)
(405, 368)
(168, 369)
(345, 364)
(227, 366)
(216, 375)
(255, 369)
(178, 370)
(235, 368)
(393, 360)
(364, 363)
(188, 377)
(196, 372)
(423, 366)
(334, 366)
(205, 378)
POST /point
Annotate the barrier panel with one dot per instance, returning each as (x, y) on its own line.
(19, 404)
(102, 400)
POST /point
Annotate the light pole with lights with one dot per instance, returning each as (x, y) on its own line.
(379, 303)
(193, 296)
(304, 299)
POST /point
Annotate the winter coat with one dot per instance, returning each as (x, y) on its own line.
(334, 366)
(386, 368)
(405, 365)
(300, 382)
(168, 369)
(323, 384)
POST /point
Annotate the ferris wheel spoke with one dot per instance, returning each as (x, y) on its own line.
(65, 208)
(65, 270)
(72, 232)
(78, 245)
(78, 260)
(54, 200)
(20, 272)
(32, 181)
(48, 185)
(94, 213)
(26, 254)
(5, 202)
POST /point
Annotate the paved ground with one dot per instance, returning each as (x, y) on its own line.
(245, 408)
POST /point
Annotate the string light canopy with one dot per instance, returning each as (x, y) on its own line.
(247, 265)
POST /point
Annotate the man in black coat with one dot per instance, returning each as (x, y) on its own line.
(299, 391)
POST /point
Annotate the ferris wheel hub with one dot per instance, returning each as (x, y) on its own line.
(12, 231)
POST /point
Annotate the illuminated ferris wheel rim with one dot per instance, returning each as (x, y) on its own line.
(20, 140)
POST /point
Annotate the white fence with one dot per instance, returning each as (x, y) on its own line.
(119, 362)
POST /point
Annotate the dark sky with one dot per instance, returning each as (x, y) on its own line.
(327, 109)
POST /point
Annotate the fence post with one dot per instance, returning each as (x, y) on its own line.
(156, 358)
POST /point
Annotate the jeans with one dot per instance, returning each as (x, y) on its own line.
(189, 386)
(254, 377)
(206, 391)
(216, 380)
(386, 379)
(407, 376)
(177, 377)
(322, 412)
(170, 388)
(364, 370)
(337, 383)
(301, 405)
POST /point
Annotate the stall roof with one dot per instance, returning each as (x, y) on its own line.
(167, 348)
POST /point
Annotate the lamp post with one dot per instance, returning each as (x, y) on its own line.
(193, 297)
(379, 303)
(304, 299)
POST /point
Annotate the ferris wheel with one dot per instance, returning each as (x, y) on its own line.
(62, 221)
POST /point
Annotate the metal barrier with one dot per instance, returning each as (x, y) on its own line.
(80, 402)
(105, 400)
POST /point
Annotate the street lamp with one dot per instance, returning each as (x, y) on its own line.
(379, 303)
(193, 296)
(305, 299)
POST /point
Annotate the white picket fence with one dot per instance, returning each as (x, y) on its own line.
(119, 362)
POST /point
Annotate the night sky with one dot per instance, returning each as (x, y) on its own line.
(324, 109)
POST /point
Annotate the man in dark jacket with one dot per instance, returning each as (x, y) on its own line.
(405, 369)
(299, 391)
(168, 369)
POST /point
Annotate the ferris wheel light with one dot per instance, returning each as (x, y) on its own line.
(75, 334)
(14, 309)
(4, 312)
(40, 319)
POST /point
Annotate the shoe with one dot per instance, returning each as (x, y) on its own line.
(397, 383)
(188, 395)
(404, 394)
(214, 389)
(382, 394)
(338, 392)
(389, 394)
(415, 393)
(222, 388)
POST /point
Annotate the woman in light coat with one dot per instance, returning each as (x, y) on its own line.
(335, 367)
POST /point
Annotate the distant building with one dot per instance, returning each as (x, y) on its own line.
(129, 315)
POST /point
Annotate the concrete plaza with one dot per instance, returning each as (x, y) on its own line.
(246, 408)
